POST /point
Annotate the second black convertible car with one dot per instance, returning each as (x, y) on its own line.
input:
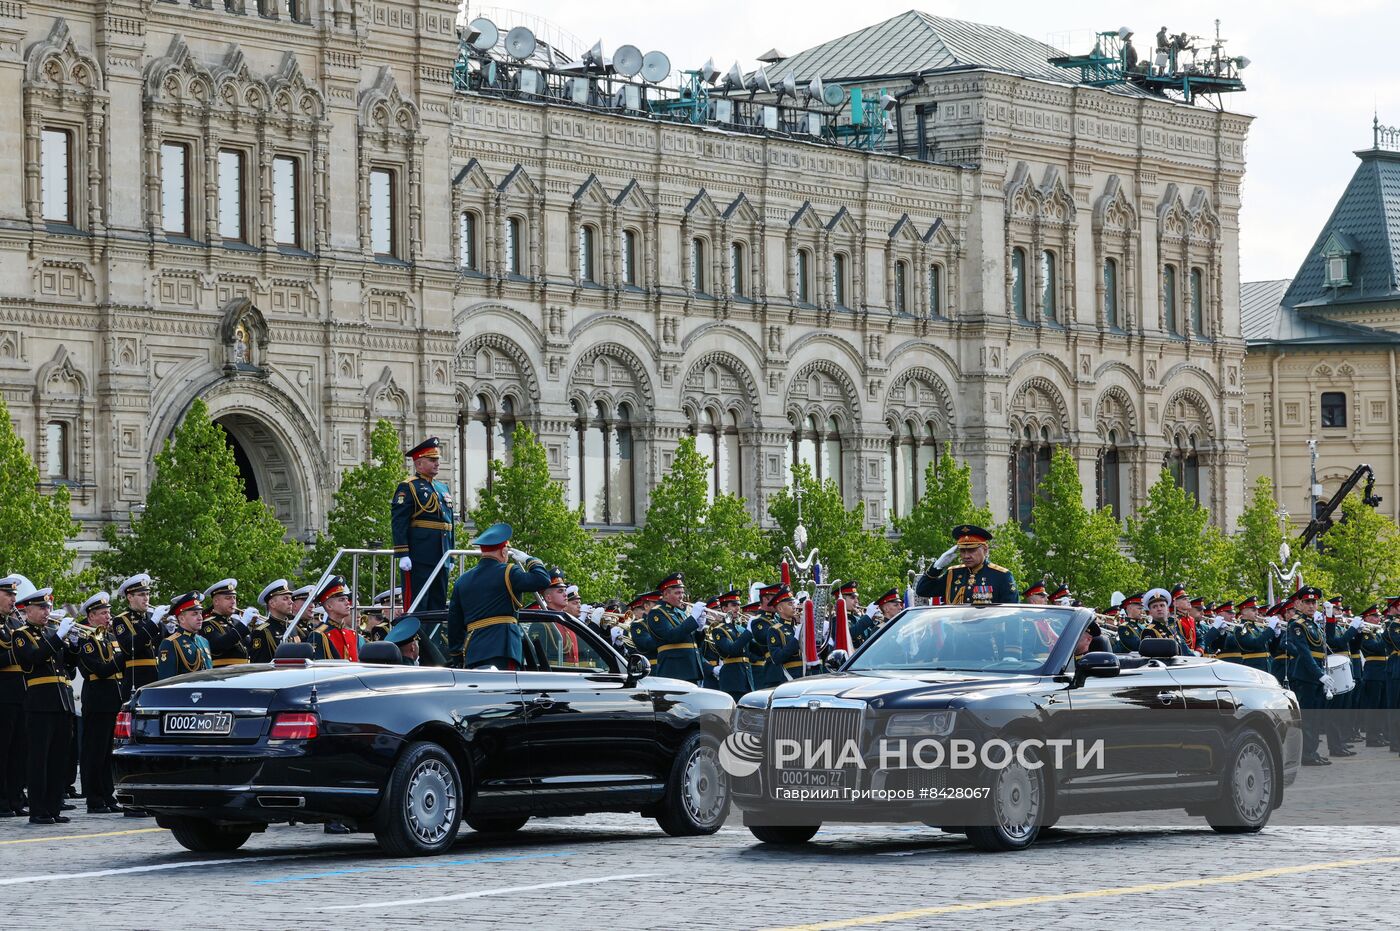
(411, 752)
(996, 721)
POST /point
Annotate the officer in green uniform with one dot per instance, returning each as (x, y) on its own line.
(1219, 638)
(47, 658)
(709, 653)
(139, 632)
(276, 597)
(762, 612)
(14, 755)
(673, 628)
(100, 660)
(1343, 639)
(1252, 636)
(482, 626)
(1129, 636)
(421, 515)
(784, 645)
(1306, 673)
(637, 630)
(224, 627)
(1391, 637)
(1374, 655)
(975, 580)
(731, 639)
(186, 650)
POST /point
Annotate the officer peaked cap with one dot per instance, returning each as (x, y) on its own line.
(186, 602)
(971, 535)
(278, 587)
(100, 600)
(494, 535)
(136, 585)
(224, 587)
(428, 449)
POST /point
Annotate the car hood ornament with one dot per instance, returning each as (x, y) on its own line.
(196, 696)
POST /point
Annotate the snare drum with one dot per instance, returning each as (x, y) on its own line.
(1339, 668)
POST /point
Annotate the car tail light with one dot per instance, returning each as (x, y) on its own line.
(294, 725)
(122, 729)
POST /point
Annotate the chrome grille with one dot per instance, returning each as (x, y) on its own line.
(814, 727)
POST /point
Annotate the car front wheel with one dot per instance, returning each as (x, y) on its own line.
(1249, 790)
(421, 811)
(1014, 809)
(697, 794)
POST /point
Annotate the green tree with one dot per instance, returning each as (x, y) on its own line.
(38, 526)
(198, 525)
(1172, 540)
(523, 494)
(1071, 544)
(1254, 545)
(846, 548)
(360, 513)
(1359, 558)
(715, 543)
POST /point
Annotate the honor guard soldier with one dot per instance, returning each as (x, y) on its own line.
(14, 754)
(139, 632)
(975, 580)
(100, 659)
(276, 597)
(483, 618)
(784, 645)
(225, 630)
(1374, 654)
(335, 638)
(47, 659)
(1307, 675)
(186, 650)
(421, 514)
(673, 628)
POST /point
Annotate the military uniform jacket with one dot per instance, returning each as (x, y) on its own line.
(139, 638)
(11, 675)
(956, 585)
(266, 641)
(486, 600)
(732, 644)
(674, 629)
(421, 516)
(1253, 639)
(641, 639)
(181, 653)
(329, 642)
(1391, 636)
(47, 662)
(1307, 652)
(758, 646)
(228, 640)
(1375, 653)
(784, 653)
(101, 661)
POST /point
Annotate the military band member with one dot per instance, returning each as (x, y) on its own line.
(1343, 638)
(975, 580)
(637, 630)
(1374, 655)
(47, 659)
(760, 619)
(673, 627)
(482, 620)
(335, 638)
(1390, 635)
(138, 632)
(731, 640)
(1306, 670)
(784, 644)
(276, 598)
(100, 660)
(704, 642)
(186, 650)
(224, 628)
(13, 743)
(421, 514)
(1252, 635)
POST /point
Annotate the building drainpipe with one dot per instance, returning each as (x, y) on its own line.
(1394, 438)
(1277, 413)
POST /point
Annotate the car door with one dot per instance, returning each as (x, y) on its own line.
(1209, 713)
(591, 730)
(487, 706)
(1136, 715)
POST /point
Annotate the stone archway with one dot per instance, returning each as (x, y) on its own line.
(269, 473)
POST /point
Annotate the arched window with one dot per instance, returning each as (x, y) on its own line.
(1030, 463)
(1169, 298)
(621, 484)
(697, 265)
(737, 283)
(515, 242)
(1110, 294)
(1048, 303)
(831, 454)
(804, 276)
(467, 251)
(1198, 312)
(901, 287)
(1184, 463)
(717, 439)
(1018, 283)
(935, 290)
(804, 445)
(587, 257)
(1110, 477)
(629, 257)
(483, 435)
(838, 279)
(601, 474)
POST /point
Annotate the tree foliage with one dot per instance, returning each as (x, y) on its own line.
(38, 526)
(1172, 540)
(360, 513)
(198, 525)
(1254, 545)
(1359, 557)
(715, 543)
(523, 494)
(847, 549)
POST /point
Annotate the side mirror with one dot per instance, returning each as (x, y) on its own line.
(638, 667)
(836, 659)
(1100, 665)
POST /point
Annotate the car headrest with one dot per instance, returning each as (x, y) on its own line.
(1157, 647)
(381, 652)
(1100, 644)
(294, 651)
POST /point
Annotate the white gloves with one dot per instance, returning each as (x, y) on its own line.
(1355, 623)
(871, 610)
(159, 613)
(406, 564)
(1328, 683)
(519, 556)
(616, 634)
(697, 611)
(946, 560)
(1317, 615)
(1273, 623)
(64, 626)
(1218, 623)
(247, 616)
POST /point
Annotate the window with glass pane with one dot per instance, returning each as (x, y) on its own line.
(574, 457)
(736, 269)
(1109, 476)
(476, 457)
(1018, 283)
(286, 202)
(1191, 472)
(56, 175)
(232, 221)
(56, 449)
(1048, 281)
(503, 444)
(908, 470)
(1023, 481)
(838, 280)
(587, 260)
(382, 212)
(804, 276)
(514, 244)
(1334, 409)
(705, 436)
(901, 287)
(731, 458)
(831, 454)
(935, 291)
(467, 243)
(697, 265)
(174, 190)
(629, 257)
(1198, 307)
(805, 444)
(927, 456)
(1110, 293)
(595, 469)
(621, 490)
(1169, 297)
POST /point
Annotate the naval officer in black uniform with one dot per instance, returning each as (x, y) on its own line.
(47, 659)
(421, 515)
(975, 580)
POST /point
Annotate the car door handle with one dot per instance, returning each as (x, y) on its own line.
(1166, 698)
(544, 701)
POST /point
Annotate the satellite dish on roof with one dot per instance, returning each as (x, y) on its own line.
(627, 60)
(708, 72)
(833, 95)
(734, 78)
(656, 67)
(520, 43)
(486, 34)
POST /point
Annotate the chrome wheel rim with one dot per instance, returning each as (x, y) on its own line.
(431, 801)
(703, 787)
(1016, 801)
(1253, 785)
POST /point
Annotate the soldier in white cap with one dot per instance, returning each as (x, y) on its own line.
(139, 630)
(277, 598)
(224, 627)
(46, 657)
(308, 618)
(101, 661)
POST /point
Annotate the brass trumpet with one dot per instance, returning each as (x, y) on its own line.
(82, 630)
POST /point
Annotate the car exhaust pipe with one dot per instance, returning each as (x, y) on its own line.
(282, 801)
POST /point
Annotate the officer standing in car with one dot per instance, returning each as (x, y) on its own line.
(421, 515)
(975, 580)
(483, 618)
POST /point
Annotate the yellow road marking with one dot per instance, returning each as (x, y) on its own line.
(1110, 892)
(41, 840)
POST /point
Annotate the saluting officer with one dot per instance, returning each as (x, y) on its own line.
(334, 638)
(139, 631)
(673, 628)
(276, 597)
(421, 515)
(482, 620)
(46, 657)
(225, 630)
(13, 743)
(101, 660)
(1306, 673)
(186, 650)
(975, 581)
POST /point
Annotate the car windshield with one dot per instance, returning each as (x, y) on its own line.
(999, 638)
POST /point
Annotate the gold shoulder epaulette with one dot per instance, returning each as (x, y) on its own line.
(992, 565)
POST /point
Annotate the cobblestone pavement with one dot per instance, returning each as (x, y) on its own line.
(621, 872)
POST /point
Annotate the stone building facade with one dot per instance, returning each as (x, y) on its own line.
(287, 210)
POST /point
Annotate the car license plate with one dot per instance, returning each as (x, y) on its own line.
(810, 778)
(197, 723)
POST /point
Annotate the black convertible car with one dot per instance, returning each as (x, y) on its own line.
(996, 721)
(411, 752)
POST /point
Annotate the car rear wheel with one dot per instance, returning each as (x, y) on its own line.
(785, 834)
(421, 811)
(1251, 783)
(1014, 809)
(697, 794)
(207, 837)
(504, 824)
